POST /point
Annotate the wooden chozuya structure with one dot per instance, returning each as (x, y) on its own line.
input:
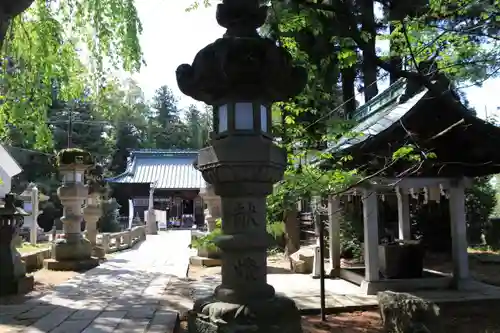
(169, 174)
(462, 146)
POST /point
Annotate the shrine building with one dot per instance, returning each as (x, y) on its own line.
(449, 146)
(172, 176)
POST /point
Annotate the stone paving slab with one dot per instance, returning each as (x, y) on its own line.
(127, 293)
(342, 295)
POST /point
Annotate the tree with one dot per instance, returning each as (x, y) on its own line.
(110, 213)
(198, 125)
(43, 40)
(335, 42)
(166, 126)
(127, 137)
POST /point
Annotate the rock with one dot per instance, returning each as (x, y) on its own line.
(406, 313)
(302, 260)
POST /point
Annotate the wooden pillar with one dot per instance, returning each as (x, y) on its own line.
(370, 218)
(334, 217)
(403, 214)
(458, 231)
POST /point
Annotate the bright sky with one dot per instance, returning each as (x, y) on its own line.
(173, 36)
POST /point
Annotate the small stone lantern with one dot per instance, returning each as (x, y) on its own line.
(13, 279)
(73, 251)
(241, 75)
(213, 211)
(93, 211)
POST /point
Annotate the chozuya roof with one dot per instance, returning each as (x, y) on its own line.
(167, 169)
(403, 115)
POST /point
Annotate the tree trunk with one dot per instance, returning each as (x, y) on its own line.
(8, 10)
(369, 71)
(4, 26)
(292, 230)
(348, 91)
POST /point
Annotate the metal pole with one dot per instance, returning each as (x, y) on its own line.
(322, 266)
(70, 127)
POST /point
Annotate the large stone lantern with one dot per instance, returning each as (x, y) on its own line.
(13, 277)
(241, 75)
(73, 251)
(213, 211)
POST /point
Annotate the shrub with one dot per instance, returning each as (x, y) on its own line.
(207, 241)
(276, 230)
(109, 219)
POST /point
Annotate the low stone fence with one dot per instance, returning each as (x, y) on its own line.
(113, 242)
(34, 260)
(110, 242)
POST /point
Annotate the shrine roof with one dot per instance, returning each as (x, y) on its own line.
(402, 115)
(167, 169)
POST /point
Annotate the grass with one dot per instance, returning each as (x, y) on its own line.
(483, 249)
(28, 247)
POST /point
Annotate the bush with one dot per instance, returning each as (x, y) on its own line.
(276, 230)
(351, 229)
(109, 219)
(207, 241)
(480, 201)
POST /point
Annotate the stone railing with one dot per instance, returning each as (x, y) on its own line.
(113, 242)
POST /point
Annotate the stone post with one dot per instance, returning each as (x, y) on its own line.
(334, 219)
(30, 198)
(151, 228)
(461, 274)
(404, 223)
(73, 251)
(213, 211)
(13, 277)
(91, 214)
(241, 75)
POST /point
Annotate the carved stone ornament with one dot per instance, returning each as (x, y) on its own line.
(241, 66)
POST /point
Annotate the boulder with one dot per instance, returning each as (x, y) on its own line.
(302, 260)
(406, 313)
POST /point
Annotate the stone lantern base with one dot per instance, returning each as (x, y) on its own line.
(278, 314)
(98, 252)
(71, 254)
(17, 286)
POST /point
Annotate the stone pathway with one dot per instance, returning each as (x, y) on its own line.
(125, 294)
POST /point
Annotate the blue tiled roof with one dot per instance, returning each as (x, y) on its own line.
(169, 169)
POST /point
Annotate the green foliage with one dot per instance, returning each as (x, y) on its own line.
(480, 201)
(207, 241)
(109, 219)
(43, 44)
(351, 233)
(275, 230)
(74, 156)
